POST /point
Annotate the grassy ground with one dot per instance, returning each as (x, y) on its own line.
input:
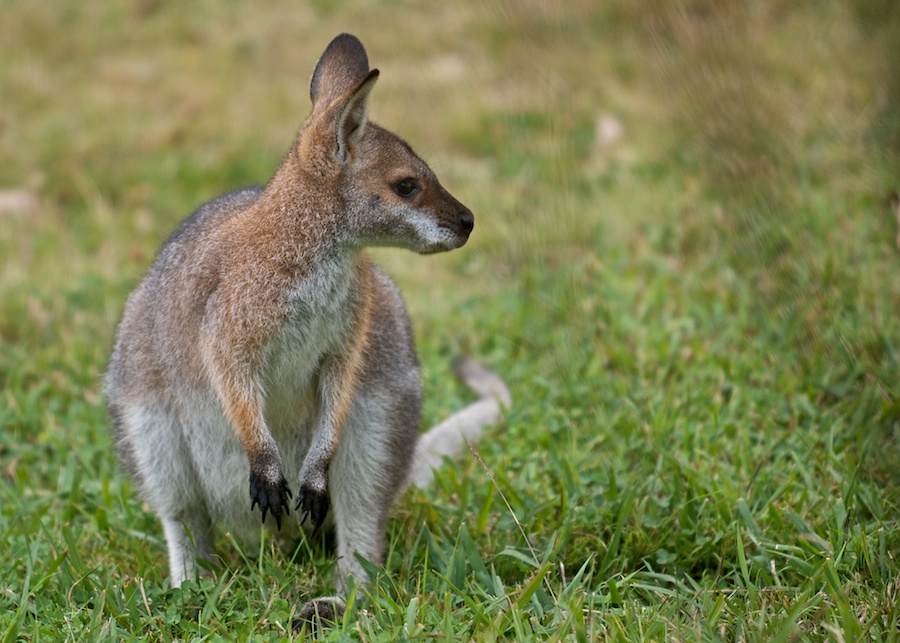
(698, 320)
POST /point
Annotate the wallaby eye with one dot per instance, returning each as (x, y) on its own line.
(406, 187)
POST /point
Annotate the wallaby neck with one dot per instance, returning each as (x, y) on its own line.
(301, 221)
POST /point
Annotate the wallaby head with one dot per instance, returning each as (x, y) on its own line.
(382, 193)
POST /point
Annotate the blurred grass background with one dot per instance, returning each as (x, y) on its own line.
(685, 263)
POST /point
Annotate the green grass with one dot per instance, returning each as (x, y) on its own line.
(700, 325)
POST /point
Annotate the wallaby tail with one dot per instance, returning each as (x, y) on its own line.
(448, 439)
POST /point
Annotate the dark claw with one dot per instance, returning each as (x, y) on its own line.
(270, 497)
(314, 505)
(301, 501)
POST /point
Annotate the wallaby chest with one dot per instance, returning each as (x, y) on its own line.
(320, 319)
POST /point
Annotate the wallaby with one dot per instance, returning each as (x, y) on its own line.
(264, 345)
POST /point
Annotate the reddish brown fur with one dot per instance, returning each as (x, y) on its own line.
(342, 393)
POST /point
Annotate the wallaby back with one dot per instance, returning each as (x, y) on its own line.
(264, 351)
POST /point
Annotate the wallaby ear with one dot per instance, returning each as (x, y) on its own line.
(340, 89)
(343, 67)
(352, 122)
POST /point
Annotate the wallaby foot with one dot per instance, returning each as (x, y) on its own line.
(319, 613)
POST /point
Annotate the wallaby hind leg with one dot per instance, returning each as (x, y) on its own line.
(368, 470)
(187, 540)
(151, 444)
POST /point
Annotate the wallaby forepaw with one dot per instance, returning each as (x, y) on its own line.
(270, 497)
(314, 505)
(319, 613)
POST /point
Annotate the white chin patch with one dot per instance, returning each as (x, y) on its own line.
(429, 236)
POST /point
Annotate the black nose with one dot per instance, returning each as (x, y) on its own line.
(466, 220)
